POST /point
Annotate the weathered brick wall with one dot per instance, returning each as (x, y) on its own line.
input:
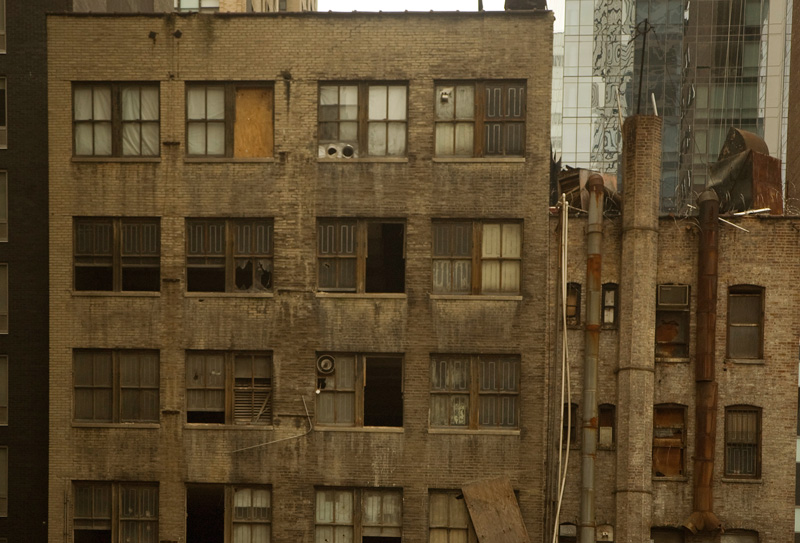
(296, 52)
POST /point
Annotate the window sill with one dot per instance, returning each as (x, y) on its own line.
(228, 294)
(367, 429)
(477, 297)
(665, 360)
(226, 159)
(123, 159)
(512, 160)
(478, 432)
(749, 481)
(388, 160)
(359, 295)
(125, 425)
(682, 479)
(247, 427)
(115, 294)
(746, 361)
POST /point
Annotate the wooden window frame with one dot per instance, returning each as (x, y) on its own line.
(473, 391)
(612, 307)
(668, 442)
(231, 517)
(116, 121)
(230, 387)
(201, 7)
(358, 506)
(119, 261)
(751, 291)
(229, 120)
(115, 519)
(665, 348)
(606, 411)
(361, 235)
(730, 445)
(116, 387)
(471, 536)
(476, 257)
(230, 254)
(362, 120)
(360, 380)
(480, 117)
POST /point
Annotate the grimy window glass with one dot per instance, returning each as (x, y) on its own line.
(117, 254)
(358, 515)
(745, 322)
(474, 391)
(480, 119)
(449, 519)
(742, 441)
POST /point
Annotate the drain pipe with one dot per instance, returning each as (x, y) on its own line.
(703, 517)
(594, 304)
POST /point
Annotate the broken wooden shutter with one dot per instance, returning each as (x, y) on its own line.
(252, 129)
(252, 392)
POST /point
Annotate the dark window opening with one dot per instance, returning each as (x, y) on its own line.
(573, 308)
(378, 539)
(206, 417)
(205, 279)
(385, 258)
(92, 536)
(383, 392)
(570, 427)
(140, 278)
(205, 514)
(672, 321)
(605, 431)
(94, 278)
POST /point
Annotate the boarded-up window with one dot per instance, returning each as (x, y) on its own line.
(484, 118)
(228, 387)
(745, 322)
(229, 120)
(361, 390)
(449, 519)
(474, 391)
(360, 255)
(356, 515)
(669, 431)
(573, 308)
(229, 255)
(115, 254)
(477, 257)
(116, 386)
(742, 441)
(362, 119)
(116, 119)
(606, 422)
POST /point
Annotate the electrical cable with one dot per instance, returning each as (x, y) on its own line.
(310, 428)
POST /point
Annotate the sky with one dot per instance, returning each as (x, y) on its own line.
(427, 5)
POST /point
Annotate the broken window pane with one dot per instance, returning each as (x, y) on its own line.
(606, 423)
(672, 321)
(573, 309)
(668, 440)
(610, 304)
(252, 389)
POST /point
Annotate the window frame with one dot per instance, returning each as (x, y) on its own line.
(476, 257)
(472, 390)
(359, 255)
(362, 121)
(116, 387)
(452, 497)
(118, 259)
(665, 443)
(228, 121)
(741, 446)
(358, 514)
(573, 305)
(3, 14)
(116, 120)
(200, 7)
(229, 253)
(230, 388)
(479, 118)
(665, 347)
(116, 492)
(749, 291)
(360, 380)
(606, 411)
(610, 290)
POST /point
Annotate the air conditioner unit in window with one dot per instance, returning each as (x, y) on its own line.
(326, 364)
(673, 296)
(338, 150)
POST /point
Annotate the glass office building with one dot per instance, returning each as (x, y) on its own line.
(707, 65)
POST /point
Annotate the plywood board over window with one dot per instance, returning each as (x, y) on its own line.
(252, 131)
(495, 512)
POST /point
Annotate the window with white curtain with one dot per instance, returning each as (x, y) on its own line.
(477, 257)
(116, 119)
(351, 515)
(362, 119)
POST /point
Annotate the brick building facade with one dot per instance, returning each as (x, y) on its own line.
(225, 326)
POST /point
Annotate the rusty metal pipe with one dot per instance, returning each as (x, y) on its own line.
(594, 307)
(703, 517)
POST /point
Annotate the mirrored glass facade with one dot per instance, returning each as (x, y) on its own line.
(707, 64)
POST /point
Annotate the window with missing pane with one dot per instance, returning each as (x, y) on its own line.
(480, 119)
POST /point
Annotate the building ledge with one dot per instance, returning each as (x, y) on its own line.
(116, 159)
(121, 425)
(365, 160)
(510, 160)
(746, 361)
(228, 427)
(359, 295)
(473, 432)
(476, 297)
(360, 429)
(743, 480)
(116, 294)
(226, 160)
(670, 479)
(228, 294)
(670, 360)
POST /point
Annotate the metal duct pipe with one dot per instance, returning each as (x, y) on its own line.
(594, 306)
(703, 517)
